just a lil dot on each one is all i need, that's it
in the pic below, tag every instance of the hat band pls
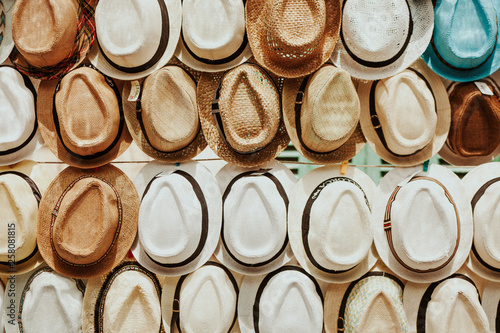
(176, 305)
(377, 126)
(101, 298)
(162, 46)
(379, 64)
(204, 219)
(283, 195)
(2, 22)
(306, 219)
(57, 126)
(388, 226)
(55, 211)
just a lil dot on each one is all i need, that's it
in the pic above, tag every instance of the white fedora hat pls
(491, 304)
(422, 222)
(179, 217)
(6, 41)
(380, 39)
(135, 38)
(254, 238)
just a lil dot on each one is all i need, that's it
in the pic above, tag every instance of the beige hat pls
(292, 39)
(240, 112)
(6, 42)
(491, 304)
(87, 221)
(321, 114)
(405, 118)
(81, 118)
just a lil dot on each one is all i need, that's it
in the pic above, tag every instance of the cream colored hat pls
(254, 237)
(179, 218)
(491, 304)
(329, 223)
(6, 42)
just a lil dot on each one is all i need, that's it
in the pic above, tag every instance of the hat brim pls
(7, 43)
(490, 302)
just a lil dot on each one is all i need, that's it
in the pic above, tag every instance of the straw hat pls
(214, 42)
(254, 238)
(19, 135)
(179, 218)
(464, 45)
(203, 301)
(321, 114)
(491, 304)
(240, 113)
(405, 118)
(163, 118)
(135, 40)
(6, 42)
(125, 300)
(329, 223)
(44, 301)
(379, 39)
(81, 118)
(474, 136)
(51, 37)
(89, 238)
(422, 223)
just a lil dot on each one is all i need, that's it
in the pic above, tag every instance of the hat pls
(51, 37)
(163, 118)
(127, 299)
(449, 305)
(179, 217)
(491, 304)
(44, 301)
(379, 39)
(292, 39)
(19, 135)
(254, 238)
(135, 40)
(81, 118)
(321, 114)
(329, 223)
(474, 136)
(203, 301)
(464, 43)
(405, 118)
(87, 221)
(214, 42)
(422, 223)
(6, 42)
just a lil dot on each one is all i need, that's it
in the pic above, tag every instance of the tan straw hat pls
(292, 39)
(87, 221)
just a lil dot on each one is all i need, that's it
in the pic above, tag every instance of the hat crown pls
(486, 230)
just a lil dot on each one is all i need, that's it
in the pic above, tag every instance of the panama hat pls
(179, 217)
(87, 221)
(44, 301)
(329, 223)
(405, 118)
(203, 301)
(135, 40)
(6, 42)
(214, 42)
(19, 135)
(491, 304)
(241, 116)
(422, 223)
(81, 118)
(321, 114)
(380, 39)
(474, 136)
(51, 37)
(464, 43)
(125, 300)
(163, 119)
(2, 292)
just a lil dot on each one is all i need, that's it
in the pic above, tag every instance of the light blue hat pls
(465, 44)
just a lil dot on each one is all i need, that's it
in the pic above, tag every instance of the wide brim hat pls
(491, 304)
(7, 44)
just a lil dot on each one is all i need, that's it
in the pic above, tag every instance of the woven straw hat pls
(163, 118)
(474, 136)
(89, 238)
(422, 223)
(292, 39)
(405, 118)
(321, 114)
(135, 39)
(379, 39)
(491, 304)
(6, 42)
(240, 113)
(81, 118)
(51, 37)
